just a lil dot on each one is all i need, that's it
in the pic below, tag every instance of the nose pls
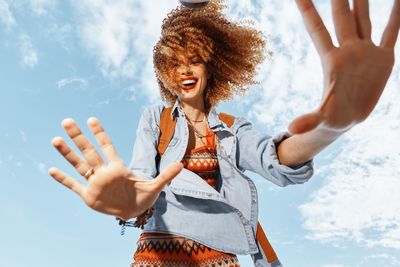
(184, 69)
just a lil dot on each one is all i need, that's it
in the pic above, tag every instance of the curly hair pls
(230, 50)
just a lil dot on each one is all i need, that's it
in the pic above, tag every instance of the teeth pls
(188, 82)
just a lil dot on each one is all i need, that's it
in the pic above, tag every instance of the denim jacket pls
(225, 218)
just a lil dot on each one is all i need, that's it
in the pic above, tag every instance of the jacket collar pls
(176, 110)
(213, 120)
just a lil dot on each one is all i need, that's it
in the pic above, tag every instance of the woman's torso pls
(161, 249)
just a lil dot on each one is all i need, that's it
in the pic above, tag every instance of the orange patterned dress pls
(168, 250)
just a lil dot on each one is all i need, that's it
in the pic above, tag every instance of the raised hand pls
(356, 72)
(111, 187)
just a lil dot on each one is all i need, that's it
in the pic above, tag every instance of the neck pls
(194, 111)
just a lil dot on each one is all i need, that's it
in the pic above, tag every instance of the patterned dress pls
(168, 250)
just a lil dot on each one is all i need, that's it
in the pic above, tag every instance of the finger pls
(168, 174)
(343, 19)
(363, 21)
(67, 181)
(305, 123)
(315, 27)
(391, 32)
(88, 150)
(82, 166)
(103, 140)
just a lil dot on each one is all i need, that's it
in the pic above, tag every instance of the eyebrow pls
(177, 58)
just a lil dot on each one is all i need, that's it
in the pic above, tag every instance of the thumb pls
(305, 123)
(168, 174)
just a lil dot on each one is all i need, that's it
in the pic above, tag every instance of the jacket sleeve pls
(143, 163)
(257, 152)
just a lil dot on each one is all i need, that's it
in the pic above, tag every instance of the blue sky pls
(75, 59)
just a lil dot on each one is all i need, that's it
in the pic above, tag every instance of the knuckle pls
(87, 148)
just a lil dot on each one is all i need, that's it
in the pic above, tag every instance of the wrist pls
(300, 148)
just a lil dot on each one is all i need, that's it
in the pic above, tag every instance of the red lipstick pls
(189, 83)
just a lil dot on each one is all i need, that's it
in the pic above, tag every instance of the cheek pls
(203, 71)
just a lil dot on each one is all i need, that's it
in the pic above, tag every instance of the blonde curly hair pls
(230, 50)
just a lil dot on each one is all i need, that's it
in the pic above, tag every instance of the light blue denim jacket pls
(224, 219)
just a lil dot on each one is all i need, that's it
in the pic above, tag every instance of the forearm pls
(301, 148)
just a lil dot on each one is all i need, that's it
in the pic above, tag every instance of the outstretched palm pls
(112, 188)
(356, 72)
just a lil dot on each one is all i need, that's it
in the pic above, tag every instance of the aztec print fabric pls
(167, 250)
(203, 160)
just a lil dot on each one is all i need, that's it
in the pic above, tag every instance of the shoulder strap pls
(265, 245)
(227, 118)
(167, 127)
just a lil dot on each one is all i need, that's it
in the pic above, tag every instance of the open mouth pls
(189, 83)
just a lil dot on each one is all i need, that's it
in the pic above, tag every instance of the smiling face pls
(190, 78)
(186, 77)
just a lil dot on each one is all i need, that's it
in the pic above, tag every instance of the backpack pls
(167, 127)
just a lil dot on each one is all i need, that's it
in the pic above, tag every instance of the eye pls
(195, 61)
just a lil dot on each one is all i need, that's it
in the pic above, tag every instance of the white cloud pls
(29, 55)
(121, 35)
(76, 83)
(133, 93)
(359, 201)
(380, 260)
(287, 86)
(107, 33)
(42, 7)
(6, 15)
(100, 104)
(62, 34)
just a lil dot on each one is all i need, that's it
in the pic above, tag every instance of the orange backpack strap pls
(167, 127)
(228, 119)
(265, 245)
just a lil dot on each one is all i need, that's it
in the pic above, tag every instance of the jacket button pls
(254, 200)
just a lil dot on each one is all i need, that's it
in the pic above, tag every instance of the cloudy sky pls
(87, 58)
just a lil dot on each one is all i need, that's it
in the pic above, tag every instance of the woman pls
(195, 203)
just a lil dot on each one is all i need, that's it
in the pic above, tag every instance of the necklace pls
(201, 136)
(204, 119)
(196, 133)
